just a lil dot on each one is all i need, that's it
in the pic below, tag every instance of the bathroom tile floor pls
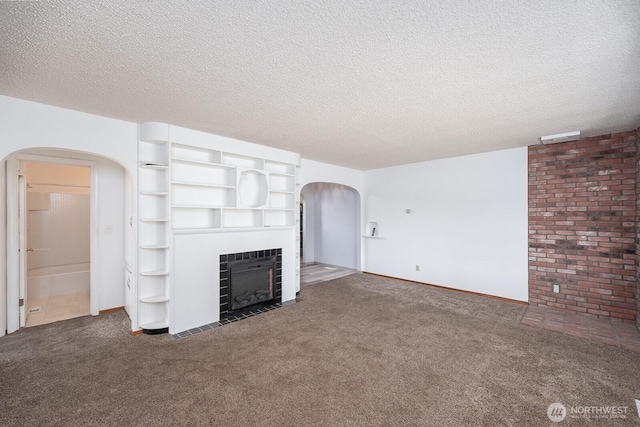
(57, 307)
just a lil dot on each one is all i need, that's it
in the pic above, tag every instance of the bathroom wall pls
(58, 216)
(58, 233)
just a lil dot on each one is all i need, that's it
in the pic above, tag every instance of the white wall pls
(111, 190)
(25, 125)
(331, 224)
(468, 223)
(130, 254)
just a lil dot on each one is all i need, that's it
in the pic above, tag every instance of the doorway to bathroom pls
(57, 270)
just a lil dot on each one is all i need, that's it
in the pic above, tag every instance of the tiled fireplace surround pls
(584, 226)
(225, 317)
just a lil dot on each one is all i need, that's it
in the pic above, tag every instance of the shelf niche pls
(372, 230)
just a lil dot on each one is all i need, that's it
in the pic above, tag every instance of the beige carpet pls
(360, 350)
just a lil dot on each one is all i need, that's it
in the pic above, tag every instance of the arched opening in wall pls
(67, 229)
(330, 231)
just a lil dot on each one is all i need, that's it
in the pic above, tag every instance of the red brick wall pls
(638, 227)
(582, 225)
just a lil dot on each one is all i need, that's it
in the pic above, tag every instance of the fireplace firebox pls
(249, 281)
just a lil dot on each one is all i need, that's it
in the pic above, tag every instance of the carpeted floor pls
(360, 350)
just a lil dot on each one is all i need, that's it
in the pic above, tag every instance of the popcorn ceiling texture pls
(363, 84)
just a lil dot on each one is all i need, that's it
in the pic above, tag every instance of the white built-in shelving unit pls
(154, 219)
(216, 190)
(190, 186)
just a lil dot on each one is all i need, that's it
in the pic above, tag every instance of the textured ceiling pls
(363, 83)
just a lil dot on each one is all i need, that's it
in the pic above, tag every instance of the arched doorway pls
(331, 225)
(107, 193)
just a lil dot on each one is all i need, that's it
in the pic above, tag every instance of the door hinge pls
(21, 302)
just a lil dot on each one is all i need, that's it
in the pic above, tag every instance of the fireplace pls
(250, 281)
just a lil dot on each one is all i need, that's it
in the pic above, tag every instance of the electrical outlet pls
(417, 267)
(556, 289)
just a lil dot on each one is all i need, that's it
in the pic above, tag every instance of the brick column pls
(582, 226)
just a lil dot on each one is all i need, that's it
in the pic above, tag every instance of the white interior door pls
(13, 245)
(22, 249)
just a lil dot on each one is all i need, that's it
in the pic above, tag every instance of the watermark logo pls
(556, 412)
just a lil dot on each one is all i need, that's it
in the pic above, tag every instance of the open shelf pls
(189, 153)
(158, 324)
(279, 167)
(155, 299)
(195, 217)
(281, 183)
(203, 196)
(155, 273)
(241, 218)
(247, 162)
(278, 218)
(154, 217)
(201, 184)
(372, 230)
(199, 162)
(154, 193)
(154, 166)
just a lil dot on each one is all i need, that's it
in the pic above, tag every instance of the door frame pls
(13, 231)
(310, 209)
(3, 249)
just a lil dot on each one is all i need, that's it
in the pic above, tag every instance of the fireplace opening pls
(249, 281)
